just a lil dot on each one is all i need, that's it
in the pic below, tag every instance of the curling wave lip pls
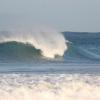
(51, 43)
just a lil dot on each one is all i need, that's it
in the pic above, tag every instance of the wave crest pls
(51, 43)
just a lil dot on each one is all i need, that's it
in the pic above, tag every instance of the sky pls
(63, 15)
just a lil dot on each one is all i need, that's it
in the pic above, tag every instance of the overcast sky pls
(63, 15)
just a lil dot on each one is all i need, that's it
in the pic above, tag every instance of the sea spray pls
(50, 42)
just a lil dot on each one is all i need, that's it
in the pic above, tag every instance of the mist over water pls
(49, 42)
(40, 63)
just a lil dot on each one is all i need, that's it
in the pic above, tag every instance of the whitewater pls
(49, 87)
(49, 65)
(51, 43)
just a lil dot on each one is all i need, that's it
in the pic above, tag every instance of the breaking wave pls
(48, 43)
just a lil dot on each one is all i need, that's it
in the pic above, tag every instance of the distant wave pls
(50, 43)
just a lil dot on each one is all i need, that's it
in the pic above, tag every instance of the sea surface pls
(48, 65)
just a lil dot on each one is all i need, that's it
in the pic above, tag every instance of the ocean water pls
(48, 65)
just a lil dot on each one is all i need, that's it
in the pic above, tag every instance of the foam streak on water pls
(49, 87)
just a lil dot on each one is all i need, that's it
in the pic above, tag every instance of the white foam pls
(50, 42)
(49, 87)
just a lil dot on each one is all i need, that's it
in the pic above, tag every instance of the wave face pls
(69, 46)
(18, 50)
(50, 43)
(49, 87)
